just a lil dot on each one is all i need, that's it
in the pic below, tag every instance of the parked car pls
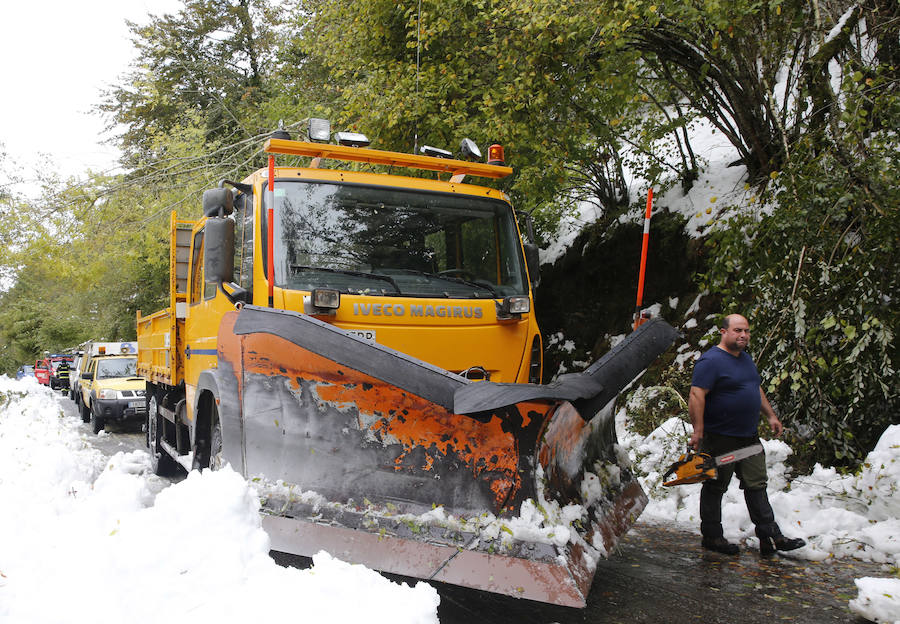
(42, 371)
(74, 373)
(112, 391)
(81, 364)
(25, 370)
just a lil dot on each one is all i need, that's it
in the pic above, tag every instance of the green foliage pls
(587, 96)
(818, 279)
(519, 73)
(208, 62)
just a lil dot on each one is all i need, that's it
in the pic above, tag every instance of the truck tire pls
(96, 422)
(161, 462)
(208, 448)
(85, 412)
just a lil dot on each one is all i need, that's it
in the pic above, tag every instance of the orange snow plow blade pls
(385, 460)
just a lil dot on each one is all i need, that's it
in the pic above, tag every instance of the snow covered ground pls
(855, 515)
(83, 539)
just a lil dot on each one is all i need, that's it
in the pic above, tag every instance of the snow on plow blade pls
(385, 460)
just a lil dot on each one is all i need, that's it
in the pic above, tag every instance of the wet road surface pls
(658, 574)
(662, 575)
(118, 437)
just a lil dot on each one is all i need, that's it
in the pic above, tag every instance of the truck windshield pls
(388, 241)
(120, 367)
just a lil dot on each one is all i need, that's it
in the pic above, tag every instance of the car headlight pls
(107, 394)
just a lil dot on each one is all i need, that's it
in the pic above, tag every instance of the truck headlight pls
(326, 298)
(107, 394)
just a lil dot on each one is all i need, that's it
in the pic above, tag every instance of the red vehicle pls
(42, 371)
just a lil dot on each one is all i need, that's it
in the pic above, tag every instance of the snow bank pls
(838, 515)
(878, 600)
(83, 540)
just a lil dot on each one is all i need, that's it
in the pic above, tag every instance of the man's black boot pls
(711, 522)
(720, 545)
(767, 530)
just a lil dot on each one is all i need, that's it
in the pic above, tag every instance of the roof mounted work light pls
(318, 130)
(436, 152)
(469, 150)
(352, 139)
(281, 133)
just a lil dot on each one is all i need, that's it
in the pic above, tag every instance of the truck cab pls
(112, 392)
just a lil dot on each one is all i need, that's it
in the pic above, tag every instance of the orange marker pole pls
(270, 259)
(640, 291)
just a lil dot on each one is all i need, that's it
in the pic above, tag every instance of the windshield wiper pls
(458, 280)
(375, 276)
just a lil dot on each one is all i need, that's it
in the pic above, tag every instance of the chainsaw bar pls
(738, 455)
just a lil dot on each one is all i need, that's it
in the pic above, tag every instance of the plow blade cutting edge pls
(385, 460)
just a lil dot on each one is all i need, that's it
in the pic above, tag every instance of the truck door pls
(206, 306)
(87, 385)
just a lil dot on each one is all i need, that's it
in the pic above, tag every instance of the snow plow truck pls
(361, 345)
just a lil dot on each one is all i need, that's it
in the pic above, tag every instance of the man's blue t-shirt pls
(733, 402)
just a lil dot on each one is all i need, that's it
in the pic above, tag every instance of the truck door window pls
(198, 275)
(197, 267)
(243, 241)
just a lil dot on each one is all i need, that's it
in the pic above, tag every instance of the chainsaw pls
(698, 467)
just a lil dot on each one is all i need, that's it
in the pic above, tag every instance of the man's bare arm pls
(696, 406)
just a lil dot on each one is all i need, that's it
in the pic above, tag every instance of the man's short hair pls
(725, 322)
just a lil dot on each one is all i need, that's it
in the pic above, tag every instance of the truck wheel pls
(85, 412)
(96, 422)
(208, 448)
(161, 462)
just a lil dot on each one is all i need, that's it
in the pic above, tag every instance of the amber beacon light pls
(495, 155)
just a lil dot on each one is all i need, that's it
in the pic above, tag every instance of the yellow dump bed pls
(159, 335)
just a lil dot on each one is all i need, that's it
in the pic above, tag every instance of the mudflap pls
(364, 452)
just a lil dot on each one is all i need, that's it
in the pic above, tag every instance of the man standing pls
(724, 405)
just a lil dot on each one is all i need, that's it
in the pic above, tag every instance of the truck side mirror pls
(533, 260)
(87, 376)
(218, 202)
(218, 255)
